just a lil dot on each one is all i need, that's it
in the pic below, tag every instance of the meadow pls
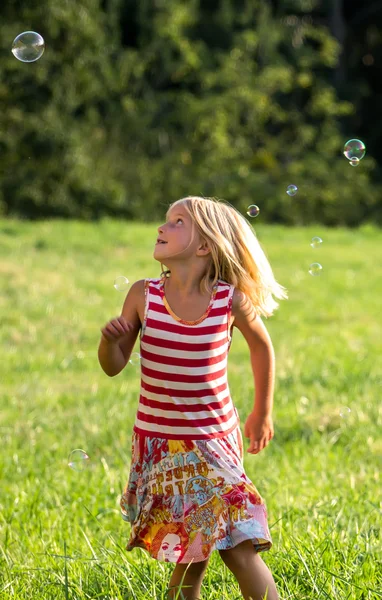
(61, 534)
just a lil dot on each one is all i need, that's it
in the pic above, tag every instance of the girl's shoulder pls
(136, 293)
(139, 290)
(142, 284)
(240, 301)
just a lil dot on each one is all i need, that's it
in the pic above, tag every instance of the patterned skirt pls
(185, 499)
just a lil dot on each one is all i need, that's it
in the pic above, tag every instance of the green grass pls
(61, 535)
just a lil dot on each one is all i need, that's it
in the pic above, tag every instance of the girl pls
(188, 493)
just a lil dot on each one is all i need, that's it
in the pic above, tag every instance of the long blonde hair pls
(237, 256)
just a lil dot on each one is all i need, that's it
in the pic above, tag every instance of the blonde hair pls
(237, 256)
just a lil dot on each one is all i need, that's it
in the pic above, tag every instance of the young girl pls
(188, 493)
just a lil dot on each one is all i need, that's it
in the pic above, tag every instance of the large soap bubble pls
(78, 460)
(28, 46)
(354, 149)
(121, 283)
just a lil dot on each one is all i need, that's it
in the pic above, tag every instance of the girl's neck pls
(184, 286)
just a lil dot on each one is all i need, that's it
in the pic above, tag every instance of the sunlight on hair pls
(236, 254)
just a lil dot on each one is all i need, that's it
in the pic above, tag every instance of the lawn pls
(61, 534)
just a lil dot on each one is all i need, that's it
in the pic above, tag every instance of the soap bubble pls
(28, 46)
(354, 149)
(253, 210)
(316, 242)
(315, 269)
(354, 162)
(292, 190)
(121, 284)
(344, 411)
(135, 359)
(78, 460)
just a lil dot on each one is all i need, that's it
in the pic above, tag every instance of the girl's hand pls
(116, 329)
(259, 430)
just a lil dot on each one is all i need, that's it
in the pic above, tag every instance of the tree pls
(135, 104)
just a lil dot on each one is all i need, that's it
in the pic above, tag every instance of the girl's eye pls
(179, 220)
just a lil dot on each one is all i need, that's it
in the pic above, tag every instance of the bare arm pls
(261, 352)
(120, 334)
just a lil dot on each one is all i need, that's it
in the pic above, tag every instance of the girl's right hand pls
(115, 329)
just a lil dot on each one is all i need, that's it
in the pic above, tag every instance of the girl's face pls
(176, 236)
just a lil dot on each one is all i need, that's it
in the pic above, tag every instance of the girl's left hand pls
(259, 430)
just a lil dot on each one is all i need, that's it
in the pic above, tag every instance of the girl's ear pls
(204, 249)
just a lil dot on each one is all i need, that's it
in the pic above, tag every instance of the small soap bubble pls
(354, 149)
(121, 284)
(135, 359)
(78, 460)
(315, 269)
(253, 210)
(354, 162)
(316, 242)
(28, 46)
(344, 411)
(292, 190)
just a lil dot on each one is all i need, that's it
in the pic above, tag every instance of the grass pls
(61, 535)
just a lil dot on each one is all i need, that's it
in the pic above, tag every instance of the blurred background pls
(136, 103)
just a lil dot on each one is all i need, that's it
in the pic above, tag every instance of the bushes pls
(107, 124)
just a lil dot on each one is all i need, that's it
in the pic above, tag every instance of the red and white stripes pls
(184, 389)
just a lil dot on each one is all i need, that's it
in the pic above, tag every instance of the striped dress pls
(187, 492)
(184, 389)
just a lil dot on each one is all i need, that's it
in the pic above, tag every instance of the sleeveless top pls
(184, 392)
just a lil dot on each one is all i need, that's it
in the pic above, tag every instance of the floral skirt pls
(185, 499)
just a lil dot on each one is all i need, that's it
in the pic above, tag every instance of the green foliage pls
(136, 104)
